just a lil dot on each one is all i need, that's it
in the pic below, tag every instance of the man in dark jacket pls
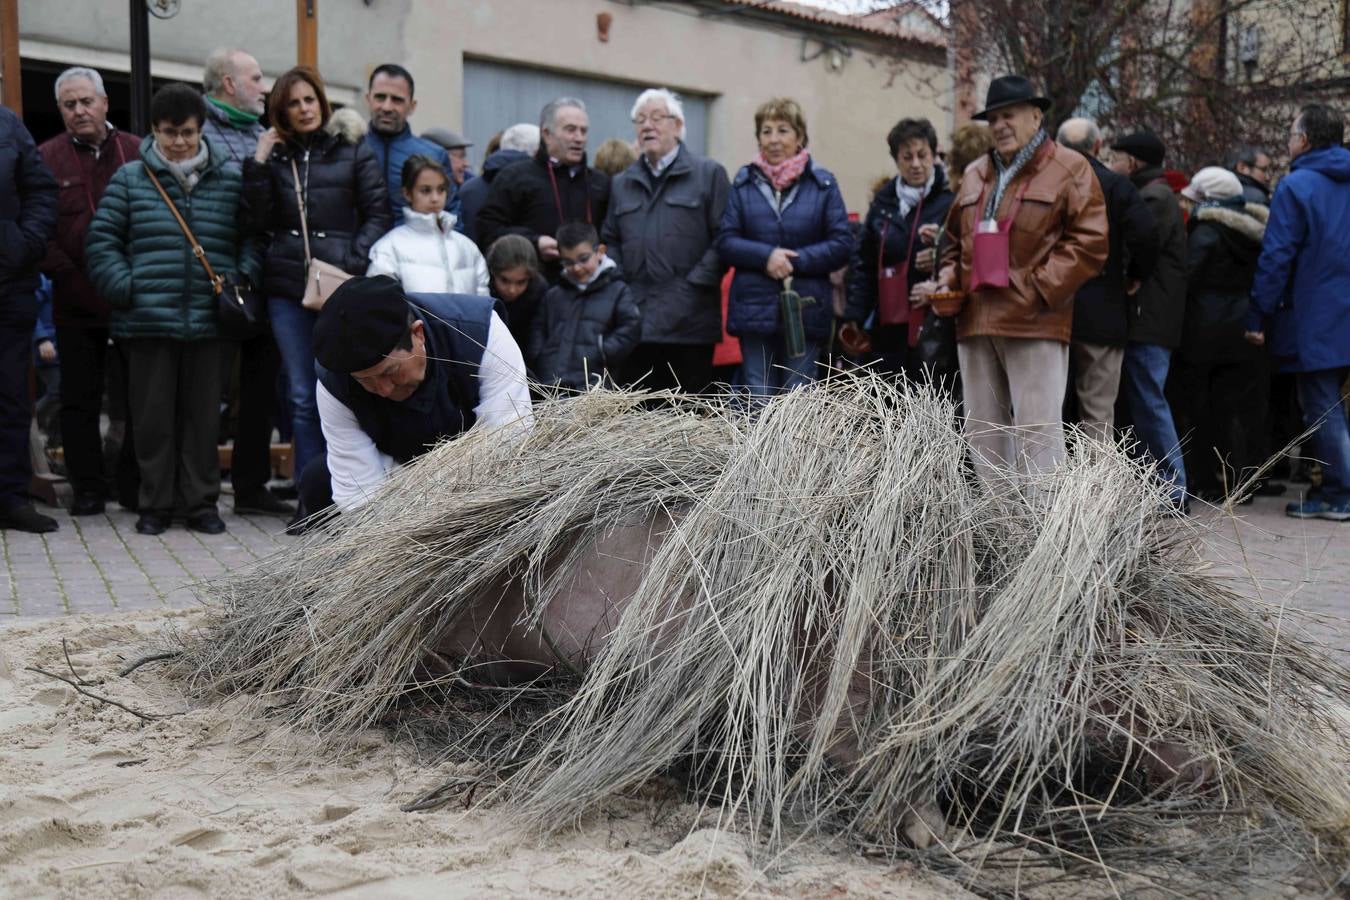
(1158, 310)
(1252, 167)
(397, 375)
(232, 84)
(533, 197)
(83, 158)
(1100, 321)
(1301, 295)
(664, 212)
(28, 204)
(389, 97)
(519, 142)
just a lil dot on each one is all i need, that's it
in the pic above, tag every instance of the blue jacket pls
(813, 221)
(393, 151)
(28, 207)
(1302, 286)
(45, 330)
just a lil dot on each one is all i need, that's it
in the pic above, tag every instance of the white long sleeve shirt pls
(358, 468)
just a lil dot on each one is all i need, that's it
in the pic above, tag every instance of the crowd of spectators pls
(1038, 279)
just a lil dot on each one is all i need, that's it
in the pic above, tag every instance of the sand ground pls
(95, 802)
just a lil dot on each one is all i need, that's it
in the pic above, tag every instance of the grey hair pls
(1085, 143)
(217, 67)
(1245, 154)
(522, 136)
(549, 113)
(674, 105)
(80, 72)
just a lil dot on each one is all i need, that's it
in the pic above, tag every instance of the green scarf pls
(238, 118)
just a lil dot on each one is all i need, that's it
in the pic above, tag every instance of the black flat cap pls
(361, 323)
(1144, 146)
(1007, 90)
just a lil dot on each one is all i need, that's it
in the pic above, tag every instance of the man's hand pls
(928, 234)
(548, 247)
(779, 265)
(1255, 338)
(1132, 287)
(46, 351)
(266, 141)
(925, 258)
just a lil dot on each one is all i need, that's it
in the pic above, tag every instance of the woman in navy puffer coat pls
(785, 217)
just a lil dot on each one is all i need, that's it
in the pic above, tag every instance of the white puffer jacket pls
(427, 255)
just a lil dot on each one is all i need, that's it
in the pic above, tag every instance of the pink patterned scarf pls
(784, 173)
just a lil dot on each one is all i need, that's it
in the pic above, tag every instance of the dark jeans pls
(293, 328)
(1323, 404)
(251, 461)
(767, 369)
(18, 315)
(175, 413)
(1143, 378)
(660, 367)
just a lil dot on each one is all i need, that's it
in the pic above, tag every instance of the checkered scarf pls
(1006, 173)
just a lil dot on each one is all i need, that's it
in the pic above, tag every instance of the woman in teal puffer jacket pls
(164, 306)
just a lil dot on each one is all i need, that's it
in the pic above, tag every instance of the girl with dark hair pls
(425, 253)
(513, 267)
(315, 190)
(165, 305)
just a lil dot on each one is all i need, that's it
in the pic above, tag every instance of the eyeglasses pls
(174, 135)
(654, 118)
(575, 263)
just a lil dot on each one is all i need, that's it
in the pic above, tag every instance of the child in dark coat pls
(587, 324)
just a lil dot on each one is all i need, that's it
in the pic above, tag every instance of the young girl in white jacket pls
(425, 253)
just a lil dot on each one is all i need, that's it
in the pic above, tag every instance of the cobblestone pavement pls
(100, 564)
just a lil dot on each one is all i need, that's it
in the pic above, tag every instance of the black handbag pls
(239, 309)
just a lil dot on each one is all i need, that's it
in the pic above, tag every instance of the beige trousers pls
(1096, 382)
(1014, 395)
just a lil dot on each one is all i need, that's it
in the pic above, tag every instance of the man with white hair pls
(533, 197)
(83, 158)
(664, 213)
(234, 89)
(517, 143)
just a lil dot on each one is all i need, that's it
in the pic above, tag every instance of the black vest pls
(456, 329)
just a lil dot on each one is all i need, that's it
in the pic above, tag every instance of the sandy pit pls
(95, 802)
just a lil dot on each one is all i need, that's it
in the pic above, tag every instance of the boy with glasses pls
(587, 324)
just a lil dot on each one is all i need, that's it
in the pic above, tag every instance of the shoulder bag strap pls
(300, 204)
(197, 250)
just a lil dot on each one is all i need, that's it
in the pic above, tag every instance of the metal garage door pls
(497, 95)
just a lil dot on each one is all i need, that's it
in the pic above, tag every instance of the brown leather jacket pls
(1058, 241)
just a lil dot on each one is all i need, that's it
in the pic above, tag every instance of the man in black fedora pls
(1029, 230)
(1157, 314)
(398, 374)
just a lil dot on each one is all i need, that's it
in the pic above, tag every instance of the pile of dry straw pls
(1016, 660)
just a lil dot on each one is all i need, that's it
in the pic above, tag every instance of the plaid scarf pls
(1006, 173)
